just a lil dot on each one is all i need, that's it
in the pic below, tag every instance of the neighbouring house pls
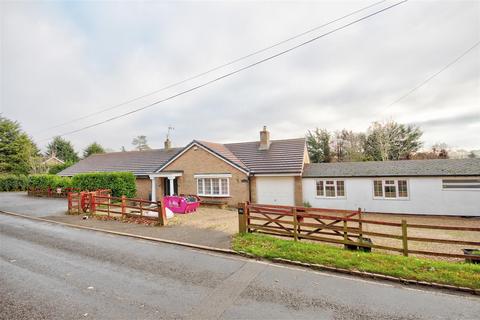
(263, 171)
(52, 160)
(441, 186)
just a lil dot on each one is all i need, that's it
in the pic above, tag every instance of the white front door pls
(276, 190)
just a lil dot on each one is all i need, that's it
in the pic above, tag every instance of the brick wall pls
(253, 189)
(298, 191)
(200, 161)
(144, 187)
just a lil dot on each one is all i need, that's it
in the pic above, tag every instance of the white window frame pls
(397, 197)
(475, 181)
(220, 179)
(334, 185)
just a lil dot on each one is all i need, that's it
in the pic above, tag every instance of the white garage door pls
(276, 190)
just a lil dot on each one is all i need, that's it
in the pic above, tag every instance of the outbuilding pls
(434, 187)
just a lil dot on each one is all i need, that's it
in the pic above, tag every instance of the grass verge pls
(421, 269)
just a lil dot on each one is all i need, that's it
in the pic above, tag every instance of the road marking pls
(225, 294)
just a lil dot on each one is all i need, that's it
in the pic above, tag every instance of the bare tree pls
(140, 143)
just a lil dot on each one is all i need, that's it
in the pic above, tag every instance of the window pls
(390, 189)
(377, 188)
(340, 188)
(461, 184)
(199, 186)
(320, 192)
(330, 188)
(213, 187)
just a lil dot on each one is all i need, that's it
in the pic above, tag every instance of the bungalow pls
(278, 172)
(443, 186)
(264, 171)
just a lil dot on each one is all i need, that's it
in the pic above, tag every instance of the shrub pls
(45, 181)
(121, 183)
(11, 182)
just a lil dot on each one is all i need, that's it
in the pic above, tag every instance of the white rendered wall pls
(426, 196)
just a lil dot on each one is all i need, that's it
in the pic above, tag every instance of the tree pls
(391, 141)
(348, 146)
(93, 148)
(62, 149)
(56, 168)
(140, 143)
(17, 149)
(318, 145)
(438, 151)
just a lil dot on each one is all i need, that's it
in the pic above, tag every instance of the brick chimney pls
(167, 144)
(264, 139)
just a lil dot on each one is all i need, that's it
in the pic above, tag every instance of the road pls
(32, 206)
(48, 271)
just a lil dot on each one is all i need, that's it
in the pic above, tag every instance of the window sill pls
(331, 198)
(214, 196)
(400, 199)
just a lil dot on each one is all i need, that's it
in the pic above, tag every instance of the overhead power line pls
(424, 82)
(196, 76)
(233, 72)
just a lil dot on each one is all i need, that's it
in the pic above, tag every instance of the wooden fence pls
(342, 227)
(51, 192)
(101, 201)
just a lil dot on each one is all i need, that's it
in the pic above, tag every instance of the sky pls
(65, 60)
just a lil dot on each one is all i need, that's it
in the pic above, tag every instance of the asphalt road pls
(32, 206)
(49, 271)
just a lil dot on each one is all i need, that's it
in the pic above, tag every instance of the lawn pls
(421, 269)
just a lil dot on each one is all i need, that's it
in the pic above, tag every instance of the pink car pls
(181, 204)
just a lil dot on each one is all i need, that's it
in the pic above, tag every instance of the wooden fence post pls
(162, 216)
(360, 228)
(93, 207)
(69, 197)
(80, 199)
(345, 229)
(123, 205)
(295, 224)
(247, 216)
(242, 221)
(404, 238)
(109, 200)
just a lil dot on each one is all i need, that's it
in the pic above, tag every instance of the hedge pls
(121, 183)
(44, 181)
(11, 182)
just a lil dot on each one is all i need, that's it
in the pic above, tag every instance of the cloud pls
(64, 60)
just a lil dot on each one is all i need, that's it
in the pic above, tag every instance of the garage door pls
(276, 190)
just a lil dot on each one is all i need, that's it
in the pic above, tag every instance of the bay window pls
(213, 186)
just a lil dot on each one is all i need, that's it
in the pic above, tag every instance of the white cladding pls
(276, 190)
(425, 196)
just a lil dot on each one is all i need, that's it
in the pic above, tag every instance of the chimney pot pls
(167, 144)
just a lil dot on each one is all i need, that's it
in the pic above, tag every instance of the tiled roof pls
(283, 156)
(404, 168)
(137, 162)
(222, 151)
